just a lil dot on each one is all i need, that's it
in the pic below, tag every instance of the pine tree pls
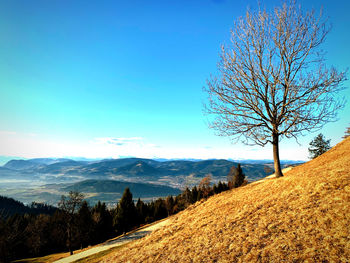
(187, 196)
(142, 211)
(85, 224)
(160, 210)
(103, 222)
(347, 133)
(215, 189)
(220, 187)
(169, 201)
(126, 214)
(318, 146)
(194, 194)
(238, 178)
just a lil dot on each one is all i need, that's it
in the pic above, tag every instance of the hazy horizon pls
(5, 159)
(114, 78)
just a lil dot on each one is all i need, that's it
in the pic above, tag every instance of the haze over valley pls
(46, 179)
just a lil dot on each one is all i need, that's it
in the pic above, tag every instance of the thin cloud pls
(7, 133)
(118, 141)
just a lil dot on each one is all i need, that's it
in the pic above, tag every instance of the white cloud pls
(118, 141)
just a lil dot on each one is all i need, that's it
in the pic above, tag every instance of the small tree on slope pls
(238, 178)
(347, 133)
(318, 146)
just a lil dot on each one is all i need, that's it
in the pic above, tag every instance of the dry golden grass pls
(301, 217)
(50, 258)
(45, 259)
(98, 257)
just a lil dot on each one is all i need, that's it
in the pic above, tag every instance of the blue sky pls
(103, 79)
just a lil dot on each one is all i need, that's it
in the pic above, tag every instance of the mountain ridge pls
(31, 180)
(128, 167)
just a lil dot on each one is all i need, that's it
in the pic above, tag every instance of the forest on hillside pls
(27, 232)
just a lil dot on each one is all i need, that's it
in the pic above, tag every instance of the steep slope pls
(302, 217)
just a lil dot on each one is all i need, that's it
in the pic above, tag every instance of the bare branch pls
(272, 79)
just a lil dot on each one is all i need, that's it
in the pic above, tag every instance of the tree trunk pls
(276, 155)
(69, 239)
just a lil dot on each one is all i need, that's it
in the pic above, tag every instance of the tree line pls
(75, 224)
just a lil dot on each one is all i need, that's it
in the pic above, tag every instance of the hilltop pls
(303, 216)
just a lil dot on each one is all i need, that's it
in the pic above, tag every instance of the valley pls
(47, 179)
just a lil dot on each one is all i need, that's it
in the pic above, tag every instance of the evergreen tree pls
(215, 189)
(16, 236)
(187, 196)
(169, 202)
(4, 251)
(85, 225)
(142, 211)
(58, 235)
(195, 194)
(160, 210)
(38, 241)
(220, 187)
(238, 178)
(180, 203)
(347, 133)
(103, 222)
(126, 214)
(318, 146)
(200, 194)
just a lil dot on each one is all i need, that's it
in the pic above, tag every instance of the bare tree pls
(204, 185)
(70, 206)
(272, 79)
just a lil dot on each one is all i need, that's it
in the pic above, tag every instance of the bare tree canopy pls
(272, 79)
(70, 206)
(72, 203)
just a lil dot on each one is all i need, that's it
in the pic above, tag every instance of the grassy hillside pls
(302, 217)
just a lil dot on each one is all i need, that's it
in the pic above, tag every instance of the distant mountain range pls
(130, 168)
(21, 179)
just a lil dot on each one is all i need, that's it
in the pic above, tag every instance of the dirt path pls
(115, 242)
